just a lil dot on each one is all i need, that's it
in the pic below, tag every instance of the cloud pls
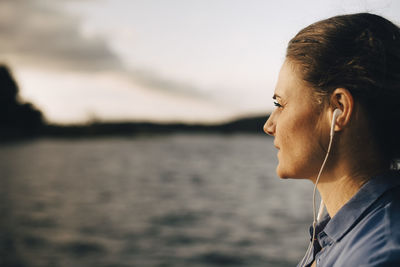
(148, 79)
(41, 34)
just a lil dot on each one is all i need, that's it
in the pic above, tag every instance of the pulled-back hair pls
(359, 52)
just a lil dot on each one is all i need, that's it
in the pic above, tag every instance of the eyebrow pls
(276, 96)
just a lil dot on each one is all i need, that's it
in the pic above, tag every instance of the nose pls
(269, 126)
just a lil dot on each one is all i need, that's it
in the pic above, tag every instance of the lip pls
(277, 147)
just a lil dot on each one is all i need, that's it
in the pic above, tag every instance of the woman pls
(348, 63)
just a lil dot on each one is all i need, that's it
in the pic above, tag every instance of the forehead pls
(290, 85)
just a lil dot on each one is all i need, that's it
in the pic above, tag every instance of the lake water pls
(176, 200)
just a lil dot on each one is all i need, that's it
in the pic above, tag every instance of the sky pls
(156, 60)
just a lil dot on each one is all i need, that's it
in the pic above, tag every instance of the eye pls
(276, 104)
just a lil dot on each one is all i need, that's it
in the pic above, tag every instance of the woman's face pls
(295, 124)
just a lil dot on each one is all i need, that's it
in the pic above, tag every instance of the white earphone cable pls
(321, 208)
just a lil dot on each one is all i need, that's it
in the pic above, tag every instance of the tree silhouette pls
(16, 119)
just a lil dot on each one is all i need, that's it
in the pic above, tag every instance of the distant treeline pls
(247, 125)
(23, 120)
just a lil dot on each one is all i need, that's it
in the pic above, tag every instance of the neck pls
(338, 192)
(339, 186)
(351, 163)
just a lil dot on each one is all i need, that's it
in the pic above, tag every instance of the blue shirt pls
(365, 231)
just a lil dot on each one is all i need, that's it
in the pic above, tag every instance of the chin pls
(281, 173)
(286, 174)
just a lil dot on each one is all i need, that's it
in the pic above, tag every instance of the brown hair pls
(359, 52)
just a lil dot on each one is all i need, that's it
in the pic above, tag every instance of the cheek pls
(294, 133)
(299, 150)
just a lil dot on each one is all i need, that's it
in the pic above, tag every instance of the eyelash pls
(276, 104)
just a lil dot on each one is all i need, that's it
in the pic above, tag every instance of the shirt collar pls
(347, 216)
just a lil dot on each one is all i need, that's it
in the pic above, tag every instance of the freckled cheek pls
(295, 143)
(293, 133)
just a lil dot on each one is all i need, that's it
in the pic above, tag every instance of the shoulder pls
(375, 239)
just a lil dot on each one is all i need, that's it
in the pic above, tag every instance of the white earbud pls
(336, 113)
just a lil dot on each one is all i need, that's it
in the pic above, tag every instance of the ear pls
(342, 99)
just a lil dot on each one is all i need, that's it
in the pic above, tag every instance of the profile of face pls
(297, 125)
